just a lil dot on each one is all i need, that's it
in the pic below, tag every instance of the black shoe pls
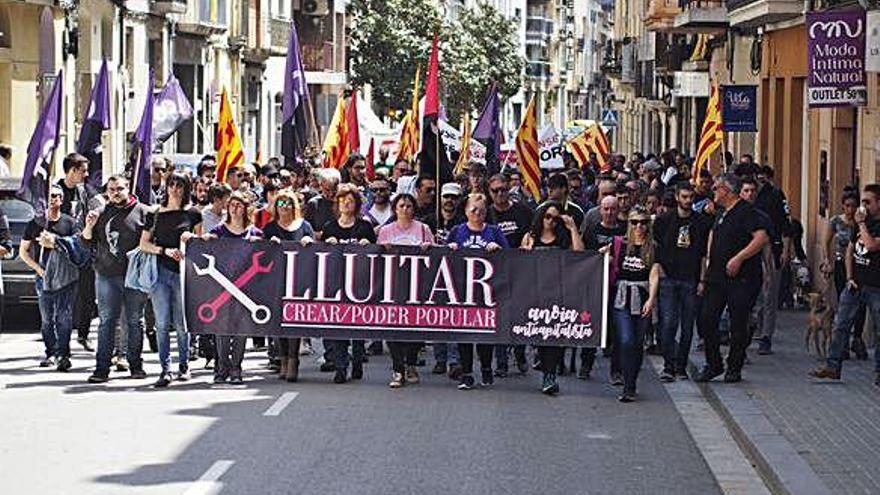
(96, 378)
(627, 397)
(707, 374)
(583, 373)
(340, 377)
(466, 382)
(357, 371)
(733, 376)
(137, 374)
(47, 363)
(681, 374)
(549, 386)
(236, 380)
(328, 367)
(183, 376)
(501, 372)
(439, 368)
(163, 381)
(486, 378)
(667, 376)
(64, 365)
(208, 365)
(218, 379)
(85, 344)
(617, 379)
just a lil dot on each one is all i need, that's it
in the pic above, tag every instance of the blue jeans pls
(446, 353)
(112, 298)
(168, 306)
(678, 299)
(56, 312)
(630, 337)
(847, 308)
(501, 358)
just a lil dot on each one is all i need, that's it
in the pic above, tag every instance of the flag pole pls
(317, 135)
(437, 184)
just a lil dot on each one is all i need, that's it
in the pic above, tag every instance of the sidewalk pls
(787, 418)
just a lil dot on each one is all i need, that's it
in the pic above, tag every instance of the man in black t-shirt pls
(862, 286)
(56, 306)
(681, 237)
(319, 209)
(732, 278)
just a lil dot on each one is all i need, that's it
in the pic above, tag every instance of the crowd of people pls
(709, 252)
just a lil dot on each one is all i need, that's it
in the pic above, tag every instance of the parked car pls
(18, 303)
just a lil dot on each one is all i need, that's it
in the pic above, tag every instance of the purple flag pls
(142, 148)
(296, 96)
(38, 168)
(170, 111)
(488, 130)
(95, 121)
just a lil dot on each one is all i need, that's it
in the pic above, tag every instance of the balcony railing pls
(162, 7)
(755, 13)
(701, 16)
(538, 29)
(669, 53)
(538, 69)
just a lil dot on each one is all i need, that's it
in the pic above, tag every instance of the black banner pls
(552, 297)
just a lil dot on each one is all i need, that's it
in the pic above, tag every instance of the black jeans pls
(738, 296)
(484, 351)
(404, 354)
(551, 356)
(84, 308)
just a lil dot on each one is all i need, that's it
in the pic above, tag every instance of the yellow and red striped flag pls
(337, 146)
(230, 152)
(592, 140)
(465, 155)
(528, 150)
(409, 134)
(711, 136)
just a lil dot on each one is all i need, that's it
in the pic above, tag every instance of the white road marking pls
(282, 402)
(599, 436)
(207, 483)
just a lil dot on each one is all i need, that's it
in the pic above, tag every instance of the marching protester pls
(213, 214)
(551, 229)
(288, 224)
(379, 209)
(238, 225)
(348, 228)
(476, 234)
(405, 231)
(112, 233)
(319, 210)
(731, 279)
(166, 229)
(862, 284)
(55, 286)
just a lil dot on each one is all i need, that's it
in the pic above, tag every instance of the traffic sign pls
(610, 118)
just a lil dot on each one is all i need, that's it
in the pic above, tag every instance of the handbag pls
(142, 272)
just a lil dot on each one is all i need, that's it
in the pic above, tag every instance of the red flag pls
(351, 117)
(371, 167)
(432, 87)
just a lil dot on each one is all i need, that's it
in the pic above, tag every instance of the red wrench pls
(208, 311)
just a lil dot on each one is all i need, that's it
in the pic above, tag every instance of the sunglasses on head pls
(638, 222)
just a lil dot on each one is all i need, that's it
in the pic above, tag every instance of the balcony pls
(756, 13)
(701, 17)
(162, 7)
(538, 69)
(539, 30)
(661, 14)
(670, 52)
(205, 17)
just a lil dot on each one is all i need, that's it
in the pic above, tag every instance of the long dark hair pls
(562, 234)
(182, 179)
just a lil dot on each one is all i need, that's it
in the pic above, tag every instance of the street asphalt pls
(61, 435)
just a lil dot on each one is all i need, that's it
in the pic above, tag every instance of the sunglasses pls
(549, 216)
(377, 190)
(158, 170)
(281, 203)
(55, 195)
(637, 223)
(476, 210)
(497, 190)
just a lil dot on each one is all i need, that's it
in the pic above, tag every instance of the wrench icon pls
(208, 311)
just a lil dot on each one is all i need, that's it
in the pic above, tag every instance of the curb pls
(779, 465)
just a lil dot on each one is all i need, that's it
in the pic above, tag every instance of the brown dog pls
(821, 320)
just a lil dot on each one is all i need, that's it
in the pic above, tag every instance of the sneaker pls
(328, 367)
(733, 376)
(340, 377)
(138, 374)
(122, 364)
(236, 380)
(357, 371)
(47, 363)
(583, 373)
(707, 374)
(501, 372)
(96, 378)
(826, 373)
(522, 366)
(549, 385)
(183, 376)
(617, 379)
(412, 375)
(85, 344)
(486, 378)
(397, 380)
(667, 376)
(455, 372)
(439, 368)
(627, 397)
(163, 381)
(466, 382)
(218, 379)
(64, 365)
(681, 373)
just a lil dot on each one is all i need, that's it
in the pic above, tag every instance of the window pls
(5, 33)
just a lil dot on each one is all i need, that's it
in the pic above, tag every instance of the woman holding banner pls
(167, 229)
(348, 228)
(405, 231)
(552, 230)
(638, 276)
(238, 225)
(288, 225)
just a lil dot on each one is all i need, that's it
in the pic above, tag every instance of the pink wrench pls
(208, 311)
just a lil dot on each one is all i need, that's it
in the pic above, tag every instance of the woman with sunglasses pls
(404, 231)
(476, 234)
(638, 276)
(348, 228)
(238, 225)
(167, 229)
(288, 225)
(551, 230)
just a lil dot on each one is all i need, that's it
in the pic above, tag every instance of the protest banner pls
(392, 293)
(551, 148)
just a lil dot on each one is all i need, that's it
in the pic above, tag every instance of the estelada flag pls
(592, 140)
(711, 134)
(528, 150)
(337, 145)
(230, 152)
